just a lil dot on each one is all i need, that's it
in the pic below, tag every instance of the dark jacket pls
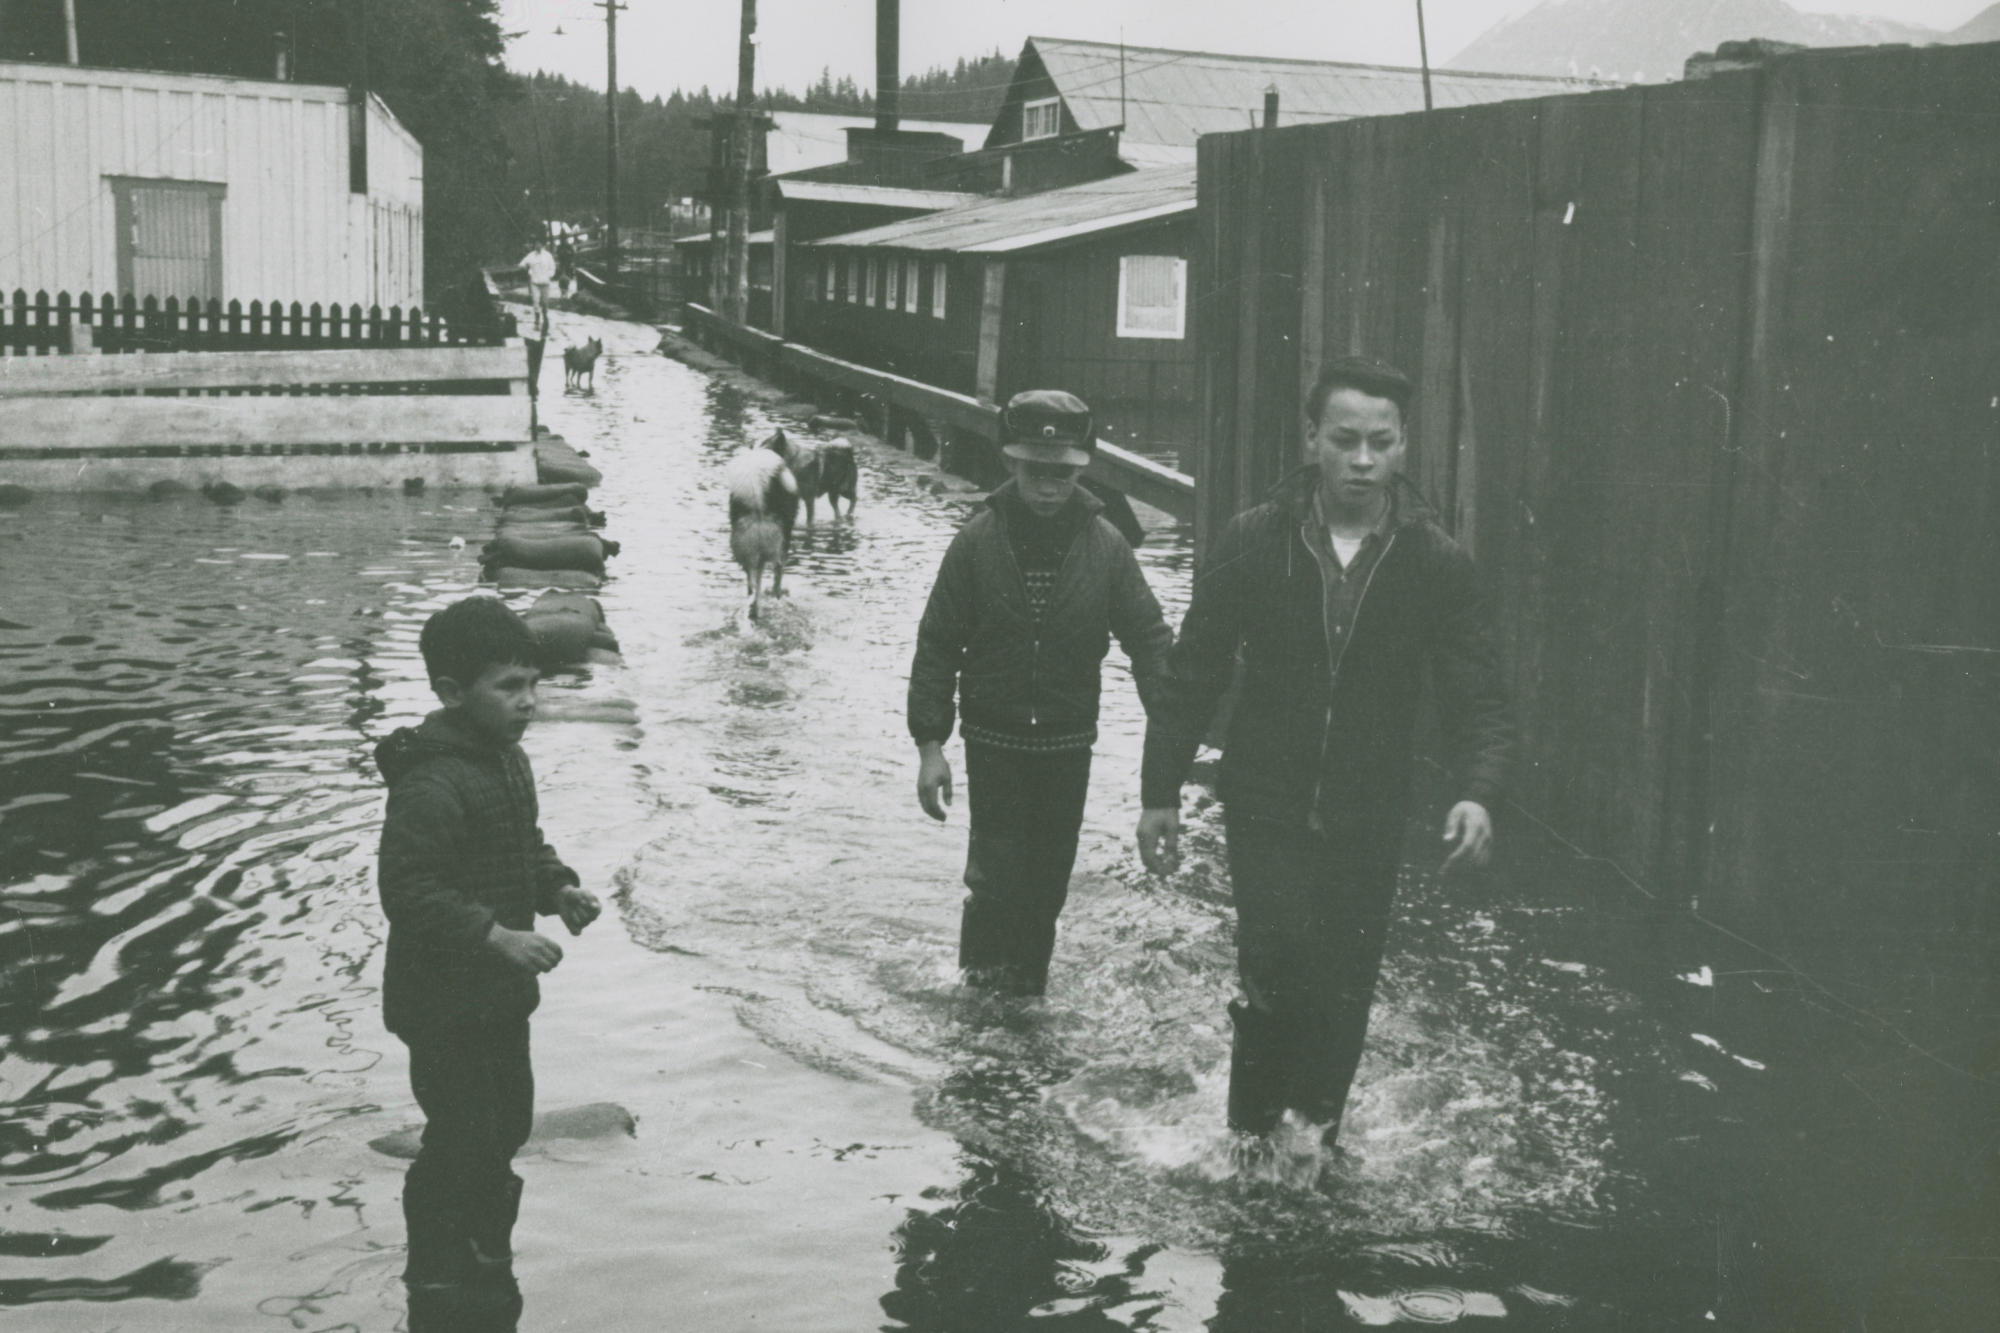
(1318, 741)
(979, 643)
(461, 851)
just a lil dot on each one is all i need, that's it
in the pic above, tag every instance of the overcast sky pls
(664, 44)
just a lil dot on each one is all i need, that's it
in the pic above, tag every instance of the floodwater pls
(1574, 1113)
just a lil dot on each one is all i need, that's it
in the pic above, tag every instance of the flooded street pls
(1562, 1121)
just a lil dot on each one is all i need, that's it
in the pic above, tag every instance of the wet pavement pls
(1579, 1110)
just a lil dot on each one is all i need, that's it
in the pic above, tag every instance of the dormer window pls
(1042, 119)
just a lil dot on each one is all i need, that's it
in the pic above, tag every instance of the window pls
(830, 265)
(910, 274)
(874, 279)
(853, 278)
(1152, 296)
(1041, 120)
(892, 285)
(937, 290)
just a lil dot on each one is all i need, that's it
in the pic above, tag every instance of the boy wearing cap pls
(1027, 599)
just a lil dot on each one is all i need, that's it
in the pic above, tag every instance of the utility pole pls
(610, 8)
(1424, 53)
(736, 256)
(69, 25)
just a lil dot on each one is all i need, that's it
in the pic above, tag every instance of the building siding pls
(291, 229)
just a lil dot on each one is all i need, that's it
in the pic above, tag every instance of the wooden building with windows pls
(1083, 288)
(203, 187)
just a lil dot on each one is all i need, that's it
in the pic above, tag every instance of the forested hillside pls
(555, 129)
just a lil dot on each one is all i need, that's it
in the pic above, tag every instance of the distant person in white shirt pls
(541, 267)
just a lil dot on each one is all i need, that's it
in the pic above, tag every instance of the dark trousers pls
(477, 1090)
(1312, 915)
(1026, 812)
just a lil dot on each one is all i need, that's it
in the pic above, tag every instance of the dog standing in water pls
(820, 469)
(839, 479)
(580, 363)
(763, 506)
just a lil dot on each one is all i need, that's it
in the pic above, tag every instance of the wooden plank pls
(123, 423)
(26, 377)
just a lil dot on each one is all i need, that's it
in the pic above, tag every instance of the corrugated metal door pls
(170, 238)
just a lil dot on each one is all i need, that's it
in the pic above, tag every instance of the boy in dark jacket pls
(464, 870)
(1022, 613)
(1335, 601)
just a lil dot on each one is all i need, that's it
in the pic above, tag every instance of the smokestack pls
(888, 63)
(1271, 107)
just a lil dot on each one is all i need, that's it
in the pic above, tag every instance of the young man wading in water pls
(1029, 595)
(1338, 596)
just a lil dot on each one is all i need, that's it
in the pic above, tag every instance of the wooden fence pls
(1709, 378)
(41, 325)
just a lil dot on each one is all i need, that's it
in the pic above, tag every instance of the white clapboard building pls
(197, 186)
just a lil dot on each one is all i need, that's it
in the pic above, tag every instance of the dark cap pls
(1047, 426)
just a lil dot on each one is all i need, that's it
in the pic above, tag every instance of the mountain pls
(1981, 27)
(1650, 40)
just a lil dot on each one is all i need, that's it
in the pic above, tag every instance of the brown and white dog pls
(580, 364)
(763, 506)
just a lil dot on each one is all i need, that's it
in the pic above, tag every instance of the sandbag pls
(569, 601)
(564, 637)
(562, 493)
(563, 464)
(581, 515)
(579, 550)
(542, 531)
(832, 425)
(569, 625)
(509, 577)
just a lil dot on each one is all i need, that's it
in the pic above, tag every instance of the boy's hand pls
(524, 950)
(933, 781)
(1160, 840)
(577, 906)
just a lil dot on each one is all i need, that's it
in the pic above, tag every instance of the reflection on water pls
(819, 1129)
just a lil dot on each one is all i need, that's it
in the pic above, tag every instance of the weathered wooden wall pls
(1710, 381)
(1062, 332)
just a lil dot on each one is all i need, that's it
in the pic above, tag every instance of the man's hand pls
(577, 906)
(1471, 828)
(933, 780)
(524, 950)
(1160, 840)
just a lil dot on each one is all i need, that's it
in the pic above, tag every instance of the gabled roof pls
(1174, 97)
(882, 196)
(1002, 226)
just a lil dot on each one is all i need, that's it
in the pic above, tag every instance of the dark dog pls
(580, 364)
(839, 478)
(763, 506)
(820, 469)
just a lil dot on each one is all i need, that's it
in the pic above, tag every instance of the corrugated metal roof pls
(1000, 226)
(885, 196)
(801, 139)
(1174, 97)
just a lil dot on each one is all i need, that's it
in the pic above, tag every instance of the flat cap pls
(1047, 426)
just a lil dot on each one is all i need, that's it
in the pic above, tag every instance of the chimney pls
(1271, 107)
(888, 63)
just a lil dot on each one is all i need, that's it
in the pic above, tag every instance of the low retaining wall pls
(457, 416)
(959, 431)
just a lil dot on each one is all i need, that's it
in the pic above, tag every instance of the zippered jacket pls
(1320, 736)
(462, 851)
(980, 649)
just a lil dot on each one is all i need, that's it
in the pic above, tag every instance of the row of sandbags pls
(546, 538)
